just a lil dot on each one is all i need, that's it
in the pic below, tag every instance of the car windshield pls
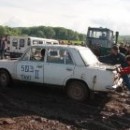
(88, 57)
(98, 34)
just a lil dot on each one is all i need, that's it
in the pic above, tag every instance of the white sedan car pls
(74, 68)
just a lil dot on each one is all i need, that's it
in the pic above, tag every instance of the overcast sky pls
(72, 14)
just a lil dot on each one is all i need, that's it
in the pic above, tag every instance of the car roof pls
(61, 46)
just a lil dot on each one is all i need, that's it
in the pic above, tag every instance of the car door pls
(30, 68)
(59, 66)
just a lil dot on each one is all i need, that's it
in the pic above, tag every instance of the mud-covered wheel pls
(4, 79)
(77, 90)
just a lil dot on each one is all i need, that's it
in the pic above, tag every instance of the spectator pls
(128, 50)
(115, 57)
(2, 47)
(122, 49)
(125, 71)
(43, 54)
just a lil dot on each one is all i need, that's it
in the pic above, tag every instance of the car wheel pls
(4, 79)
(77, 91)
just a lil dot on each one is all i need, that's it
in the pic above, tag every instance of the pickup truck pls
(76, 69)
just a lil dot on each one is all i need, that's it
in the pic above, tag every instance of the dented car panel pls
(96, 79)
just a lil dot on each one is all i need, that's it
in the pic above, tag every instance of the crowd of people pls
(119, 55)
(3, 46)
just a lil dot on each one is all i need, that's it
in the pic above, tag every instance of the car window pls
(55, 43)
(35, 42)
(40, 42)
(68, 58)
(29, 41)
(35, 54)
(26, 56)
(15, 42)
(49, 43)
(59, 56)
(21, 42)
(88, 57)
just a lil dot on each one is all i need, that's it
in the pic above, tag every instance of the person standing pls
(122, 49)
(2, 47)
(128, 51)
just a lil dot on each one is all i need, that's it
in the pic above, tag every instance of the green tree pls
(42, 31)
(49, 32)
(40, 34)
(71, 35)
(2, 30)
(61, 33)
(82, 37)
(25, 31)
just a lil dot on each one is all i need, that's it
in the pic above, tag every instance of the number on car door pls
(31, 67)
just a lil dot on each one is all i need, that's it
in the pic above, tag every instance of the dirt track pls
(41, 108)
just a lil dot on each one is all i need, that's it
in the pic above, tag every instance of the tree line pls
(59, 33)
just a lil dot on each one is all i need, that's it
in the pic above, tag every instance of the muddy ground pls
(45, 108)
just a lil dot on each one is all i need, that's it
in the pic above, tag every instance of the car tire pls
(4, 80)
(77, 90)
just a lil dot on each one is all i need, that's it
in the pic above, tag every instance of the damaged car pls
(74, 68)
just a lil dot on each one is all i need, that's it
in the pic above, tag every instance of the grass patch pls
(72, 42)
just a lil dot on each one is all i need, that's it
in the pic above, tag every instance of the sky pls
(73, 14)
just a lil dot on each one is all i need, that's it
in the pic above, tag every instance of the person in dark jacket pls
(128, 51)
(0, 47)
(115, 57)
(122, 49)
(3, 46)
(43, 51)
